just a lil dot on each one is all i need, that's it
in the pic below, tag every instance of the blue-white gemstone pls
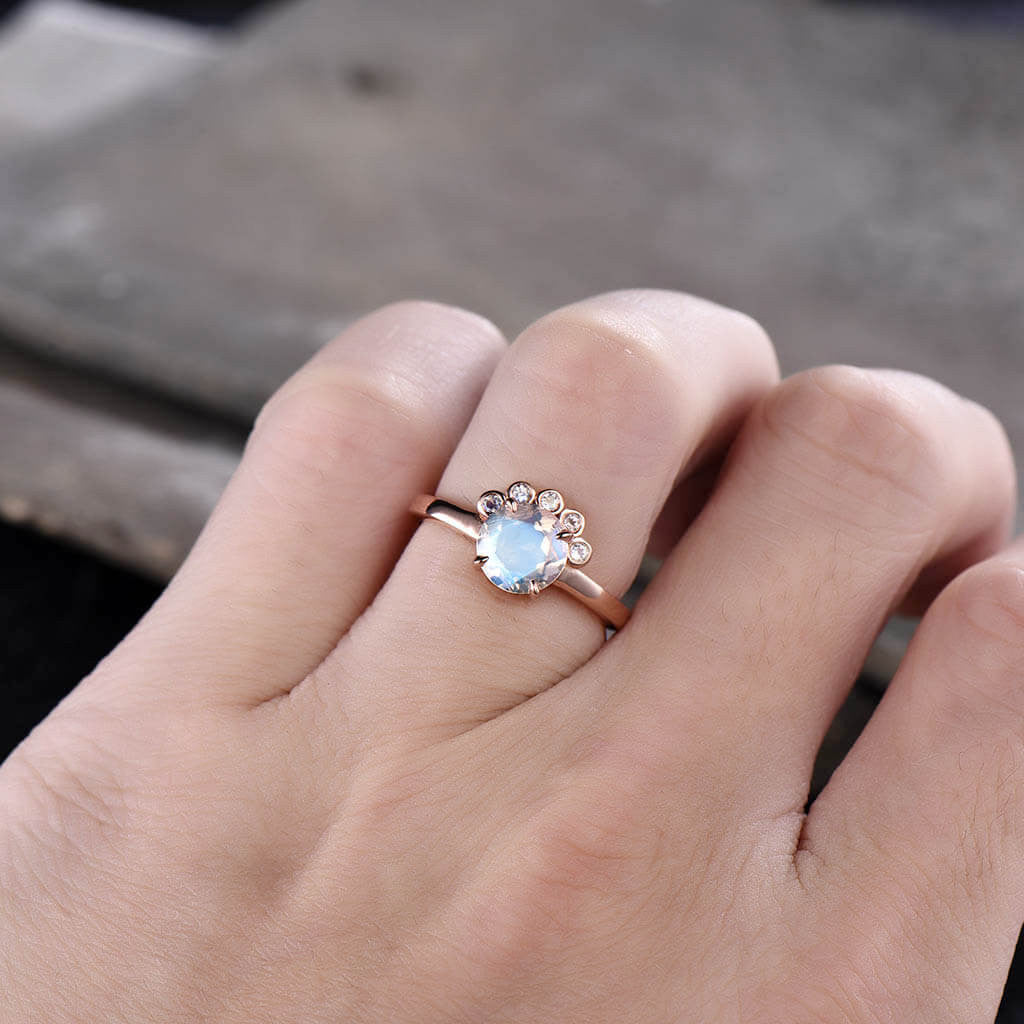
(522, 548)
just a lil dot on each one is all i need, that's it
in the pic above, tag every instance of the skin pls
(334, 775)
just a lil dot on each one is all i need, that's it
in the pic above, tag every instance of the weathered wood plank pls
(849, 176)
(121, 475)
(64, 64)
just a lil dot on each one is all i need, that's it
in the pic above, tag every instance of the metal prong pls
(564, 534)
(480, 559)
(534, 588)
(513, 505)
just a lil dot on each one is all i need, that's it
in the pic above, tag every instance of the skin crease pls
(333, 775)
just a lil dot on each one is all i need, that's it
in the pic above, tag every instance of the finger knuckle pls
(605, 382)
(385, 387)
(693, 320)
(433, 329)
(331, 398)
(982, 615)
(329, 418)
(862, 429)
(590, 847)
(990, 597)
(570, 870)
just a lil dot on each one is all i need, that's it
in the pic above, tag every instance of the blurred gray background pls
(187, 212)
(194, 197)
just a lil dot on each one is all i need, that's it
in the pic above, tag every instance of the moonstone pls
(521, 548)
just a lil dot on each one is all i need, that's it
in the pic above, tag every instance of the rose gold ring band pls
(571, 579)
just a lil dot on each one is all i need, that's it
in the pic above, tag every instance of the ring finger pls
(610, 401)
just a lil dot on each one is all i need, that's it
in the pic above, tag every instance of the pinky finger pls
(923, 823)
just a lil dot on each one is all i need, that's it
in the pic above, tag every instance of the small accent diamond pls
(579, 552)
(550, 501)
(521, 493)
(490, 502)
(573, 521)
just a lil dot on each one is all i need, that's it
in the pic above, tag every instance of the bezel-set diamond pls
(521, 493)
(580, 551)
(490, 502)
(573, 521)
(550, 501)
(528, 539)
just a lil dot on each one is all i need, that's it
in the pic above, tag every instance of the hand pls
(334, 775)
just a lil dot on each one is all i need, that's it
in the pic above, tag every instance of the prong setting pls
(525, 552)
(528, 539)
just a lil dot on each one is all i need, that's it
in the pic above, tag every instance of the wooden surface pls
(848, 174)
(128, 477)
(65, 65)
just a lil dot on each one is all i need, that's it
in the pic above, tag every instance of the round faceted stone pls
(522, 548)
(490, 502)
(521, 492)
(579, 552)
(572, 520)
(550, 501)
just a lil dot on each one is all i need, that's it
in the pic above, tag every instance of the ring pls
(527, 541)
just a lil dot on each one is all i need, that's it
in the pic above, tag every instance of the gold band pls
(572, 580)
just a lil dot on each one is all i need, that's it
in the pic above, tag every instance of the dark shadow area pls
(61, 611)
(1012, 1010)
(198, 12)
(965, 12)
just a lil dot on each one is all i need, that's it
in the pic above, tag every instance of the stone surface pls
(522, 549)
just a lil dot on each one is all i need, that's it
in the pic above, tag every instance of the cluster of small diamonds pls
(522, 493)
